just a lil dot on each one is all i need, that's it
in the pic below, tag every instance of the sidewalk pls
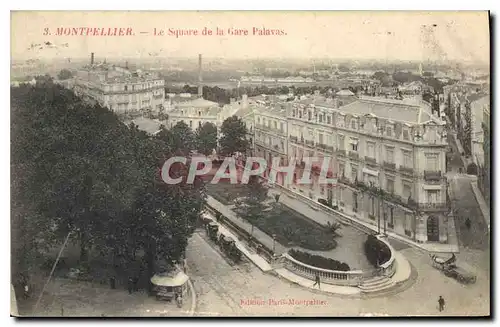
(293, 200)
(403, 273)
(254, 257)
(482, 204)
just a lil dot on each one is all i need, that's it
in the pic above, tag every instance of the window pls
(328, 119)
(126, 88)
(199, 113)
(433, 196)
(353, 123)
(389, 131)
(354, 173)
(275, 125)
(370, 149)
(320, 118)
(258, 120)
(354, 144)
(408, 223)
(389, 154)
(406, 134)
(320, 138)
(191, 123)
(341, 169)
(389, 185)
(406, 190)
(264, 122)
(309, 115)
(199, 124)
(282, 126)
(432, 162)
(407, 159)
(341, 142)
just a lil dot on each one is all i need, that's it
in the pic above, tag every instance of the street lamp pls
(274, 243)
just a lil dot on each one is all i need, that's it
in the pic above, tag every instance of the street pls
(226, 290)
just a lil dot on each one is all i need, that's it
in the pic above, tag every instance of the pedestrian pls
(136, 281)
(467, 223)
(26, 291)
(317, 281)
(112, 282)
(441, 303)
(130, 285)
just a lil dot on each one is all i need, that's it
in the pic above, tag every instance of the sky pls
(461, 36)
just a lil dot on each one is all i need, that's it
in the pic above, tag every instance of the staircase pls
(376, 284)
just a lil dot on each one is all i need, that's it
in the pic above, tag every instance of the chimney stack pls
(200, 79)
(91, 58)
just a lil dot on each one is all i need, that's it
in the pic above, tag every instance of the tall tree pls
(233, 139)
(206, 138)
(64, 74)
(180, 139)
(252, 206)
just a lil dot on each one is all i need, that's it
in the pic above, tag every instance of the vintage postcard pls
(252, 163)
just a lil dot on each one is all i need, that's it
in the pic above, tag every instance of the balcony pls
(353, 155)
(371, 160)
(340, 152)
(294, 139)
(442, 206)
(432, 176)
(330, 148)
(157, 97)
(310, 143)
(389, 165)
(406, 170)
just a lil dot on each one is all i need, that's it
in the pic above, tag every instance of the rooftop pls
(197, 103)
(148, 125)
(345, 93)
(390, 109)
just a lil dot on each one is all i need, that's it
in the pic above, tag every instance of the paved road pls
(223, 289)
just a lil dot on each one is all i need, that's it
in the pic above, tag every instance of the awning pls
(370, 172)
(355, 142)
(178, 279)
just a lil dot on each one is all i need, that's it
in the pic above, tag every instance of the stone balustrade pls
(334, 277)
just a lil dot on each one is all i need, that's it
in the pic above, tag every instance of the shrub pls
(472, 169)
(318, 261)
(376, 251)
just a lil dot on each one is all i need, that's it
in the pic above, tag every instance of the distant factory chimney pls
(126, 64)
(91, 58)
(200, 79)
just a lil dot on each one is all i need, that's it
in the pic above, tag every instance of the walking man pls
(441, 303)
(467, 223)
(130, 285)
(317, 281)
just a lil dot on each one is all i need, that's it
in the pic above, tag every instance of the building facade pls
(194, 113)
(388, 157)
(121, 90)
(484, 171)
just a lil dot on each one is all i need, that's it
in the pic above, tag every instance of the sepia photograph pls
(250, 164)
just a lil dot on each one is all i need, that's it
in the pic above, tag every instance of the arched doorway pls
(433, 229)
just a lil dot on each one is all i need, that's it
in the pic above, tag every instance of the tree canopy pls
(77, 167)
(206, 138)
(233, 139)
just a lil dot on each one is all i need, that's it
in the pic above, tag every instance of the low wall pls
(243, 235)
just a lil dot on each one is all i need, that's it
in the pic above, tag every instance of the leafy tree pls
(64, 74)
(251, 207)
(206, 138)
(233, 137)
(180, 139)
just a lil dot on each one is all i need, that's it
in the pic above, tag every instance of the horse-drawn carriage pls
(450, 269)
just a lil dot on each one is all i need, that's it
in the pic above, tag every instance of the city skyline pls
(460, 36)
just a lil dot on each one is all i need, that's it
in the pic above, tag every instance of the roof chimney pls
(91, 58)
(200, 79)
